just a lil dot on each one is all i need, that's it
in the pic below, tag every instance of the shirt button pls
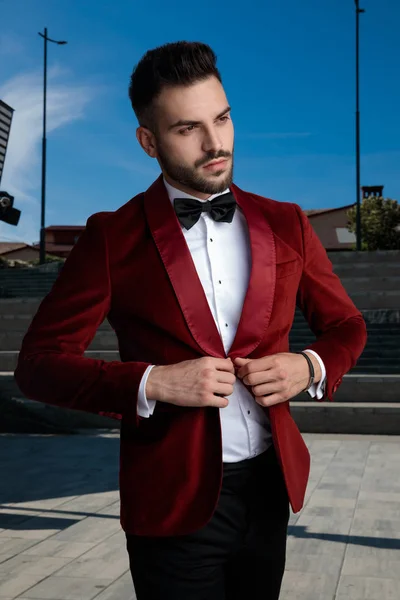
(248, 412)
(219, 281)
(226, 324)
(211, 239)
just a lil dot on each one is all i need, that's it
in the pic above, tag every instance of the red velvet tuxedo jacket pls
(133, 267)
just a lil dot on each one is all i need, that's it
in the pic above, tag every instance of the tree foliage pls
(380, 223)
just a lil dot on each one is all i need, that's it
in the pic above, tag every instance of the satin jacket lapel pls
(174, 252)
(257, 306)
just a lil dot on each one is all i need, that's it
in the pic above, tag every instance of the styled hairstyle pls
(174, 64)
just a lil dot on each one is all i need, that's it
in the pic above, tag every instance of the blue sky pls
(288, 70)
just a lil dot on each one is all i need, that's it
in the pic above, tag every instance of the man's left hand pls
(276, 378)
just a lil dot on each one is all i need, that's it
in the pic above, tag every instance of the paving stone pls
(379, 495)
(372, 527)
(381, 512)
(368, 588)
(91, 503)
(91, 529)
(36, 565)
(70, 510)
(322, 525)
(13, 546)
(297, 585)
(42, 504)
(341, 491)
(122, 589)
(368, 503)
(102, 562)
(315, 547)
(59, 549)
(330, 512)
(326, 498)
(13, 586)
(67, 588)
(372, 566)
(329, 565)
(358, 551)
(37, 528)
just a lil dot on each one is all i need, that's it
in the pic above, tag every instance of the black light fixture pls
(8, 214)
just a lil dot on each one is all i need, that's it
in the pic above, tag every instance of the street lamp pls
(358, 179)
(42, 254)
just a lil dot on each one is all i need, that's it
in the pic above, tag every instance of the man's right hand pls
(193, 382)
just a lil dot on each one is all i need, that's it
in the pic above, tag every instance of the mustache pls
(212, 156)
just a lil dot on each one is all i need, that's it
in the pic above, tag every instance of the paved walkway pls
(60, 537)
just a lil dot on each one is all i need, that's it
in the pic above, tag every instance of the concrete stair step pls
(9, 322)
(374, 408)
(381, 369)
(381, 418)
(103, 340)
(392, 363)
(376, 299)
(356, 387)
(20, 415)
(9, 358)
(367, 269)
(375, 336)
(376, 257)
(388, 347)
(377, 332)
(23, 306)
(370, 283)
(373, 328)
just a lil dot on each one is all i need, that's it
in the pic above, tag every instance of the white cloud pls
(22, 171)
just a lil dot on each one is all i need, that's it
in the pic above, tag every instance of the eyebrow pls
(185, 123)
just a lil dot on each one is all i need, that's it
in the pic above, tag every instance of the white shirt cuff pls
(318, 389)
(145, 407)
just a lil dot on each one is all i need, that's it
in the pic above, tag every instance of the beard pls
(191, 178)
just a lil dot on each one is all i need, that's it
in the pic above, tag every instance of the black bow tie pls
(188, 210)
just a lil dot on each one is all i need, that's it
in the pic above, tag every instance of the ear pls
(147, 141)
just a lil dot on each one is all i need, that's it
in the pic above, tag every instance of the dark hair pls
(177, 63)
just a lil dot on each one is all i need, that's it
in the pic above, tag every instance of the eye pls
(188, 129)
(225, 118)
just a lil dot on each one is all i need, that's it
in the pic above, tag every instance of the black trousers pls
(239, 553)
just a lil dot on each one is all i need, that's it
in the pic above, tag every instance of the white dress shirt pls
(222, 257)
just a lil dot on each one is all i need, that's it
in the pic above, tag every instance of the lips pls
(214, 166)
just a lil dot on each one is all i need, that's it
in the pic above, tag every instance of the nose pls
(212, 142)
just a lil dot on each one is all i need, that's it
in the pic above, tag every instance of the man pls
(200, 281)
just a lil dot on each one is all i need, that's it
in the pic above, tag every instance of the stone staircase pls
(34, 282)
(368, 399)
(381, 354)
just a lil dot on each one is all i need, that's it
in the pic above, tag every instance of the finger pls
(269, 400)
(258, 378)
(218, 401)
(223, 389)
(224, 364)
(272, 387)
(225, 377)
(240, 362)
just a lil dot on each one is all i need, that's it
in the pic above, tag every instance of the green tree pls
(380, 223)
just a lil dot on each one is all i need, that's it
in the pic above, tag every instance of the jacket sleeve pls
(337, 324)
(51, 365)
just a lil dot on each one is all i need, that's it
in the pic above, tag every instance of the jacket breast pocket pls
(290, 267)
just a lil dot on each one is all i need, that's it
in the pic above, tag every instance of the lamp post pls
(42, 254)
(358, 178)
